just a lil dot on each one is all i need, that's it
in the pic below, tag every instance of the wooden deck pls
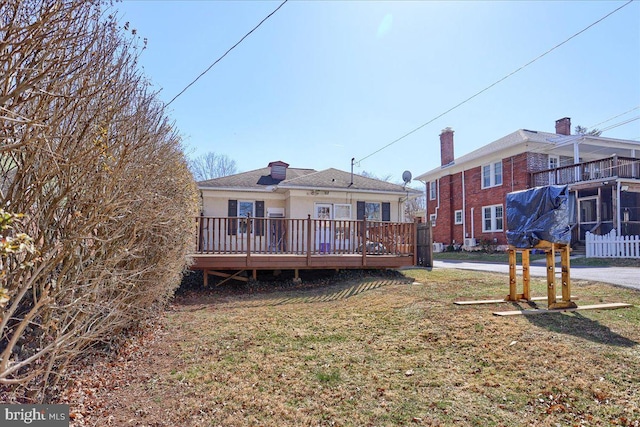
(288, 261)
(238, 244)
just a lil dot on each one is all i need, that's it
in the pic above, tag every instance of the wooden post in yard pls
(513, 282)
(526, 283)
(512, 276)
(566, 279)
(551, 274)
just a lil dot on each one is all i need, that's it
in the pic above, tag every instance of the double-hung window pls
(492, 218)
(246, 209)
(457, 217)
(432, 190)
(372, 211)
(239, 212)
(492, 174)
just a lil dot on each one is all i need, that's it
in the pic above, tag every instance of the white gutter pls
(472, 227)
(272, 188)
(464, 210)
(413, 193)
(437, 197)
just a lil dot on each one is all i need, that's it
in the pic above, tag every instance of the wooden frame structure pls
(550, 250)
(564, 304)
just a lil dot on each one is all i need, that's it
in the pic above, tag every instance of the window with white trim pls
(341, 211)
(432, 218)
(492, 174)
(324, 211)
(492, 218)
(457, 216)
(554, 161)
(432, 190)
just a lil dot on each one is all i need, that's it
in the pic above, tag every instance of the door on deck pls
(589, 214)
(323, 232)
(277, 230)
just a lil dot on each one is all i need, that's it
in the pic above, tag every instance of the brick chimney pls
(446, 146)
(563, 126)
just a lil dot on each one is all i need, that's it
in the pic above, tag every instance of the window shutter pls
(360, 210)
(259, 223)
(386, 212)
(232, 225)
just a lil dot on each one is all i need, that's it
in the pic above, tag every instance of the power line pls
(495, 83)
(225, 54)
(614, 117)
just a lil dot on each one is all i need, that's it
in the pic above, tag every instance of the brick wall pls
(515, 176)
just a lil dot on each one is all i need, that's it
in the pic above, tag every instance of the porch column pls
(618, 212)
(576, 160)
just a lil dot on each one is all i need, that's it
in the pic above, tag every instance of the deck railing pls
(250, 235)
(611, 167)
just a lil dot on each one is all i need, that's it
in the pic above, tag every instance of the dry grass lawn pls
(376, 351)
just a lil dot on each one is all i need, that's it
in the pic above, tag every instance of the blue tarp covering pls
(537, 214)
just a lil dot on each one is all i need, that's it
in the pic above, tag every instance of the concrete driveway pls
(628, 277)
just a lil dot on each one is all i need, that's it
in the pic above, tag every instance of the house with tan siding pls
(279, 191)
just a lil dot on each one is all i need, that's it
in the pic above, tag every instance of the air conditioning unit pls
(438, 247)
(470, 242)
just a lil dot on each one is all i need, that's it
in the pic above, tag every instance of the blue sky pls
(321, 82)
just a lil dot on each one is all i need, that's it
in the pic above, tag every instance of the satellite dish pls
(406, 177)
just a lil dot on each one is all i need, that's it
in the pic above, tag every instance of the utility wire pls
(495, 83)
(225, 54)
(614, 117)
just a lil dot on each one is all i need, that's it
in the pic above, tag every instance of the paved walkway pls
(628, 277)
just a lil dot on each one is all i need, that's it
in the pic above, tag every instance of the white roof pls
(524, 140)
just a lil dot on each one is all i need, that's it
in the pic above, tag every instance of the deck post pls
(308, 240)
(199, 245)
(364, 241)
(249, 231)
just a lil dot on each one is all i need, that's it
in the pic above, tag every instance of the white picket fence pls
(612, 246)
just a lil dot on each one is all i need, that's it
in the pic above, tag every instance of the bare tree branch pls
(212, 165)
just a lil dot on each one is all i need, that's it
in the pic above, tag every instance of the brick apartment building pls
(466, 195)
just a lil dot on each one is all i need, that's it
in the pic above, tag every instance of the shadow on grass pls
(576, 324)
(316, 287)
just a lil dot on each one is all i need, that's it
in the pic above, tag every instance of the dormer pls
(278, 170)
